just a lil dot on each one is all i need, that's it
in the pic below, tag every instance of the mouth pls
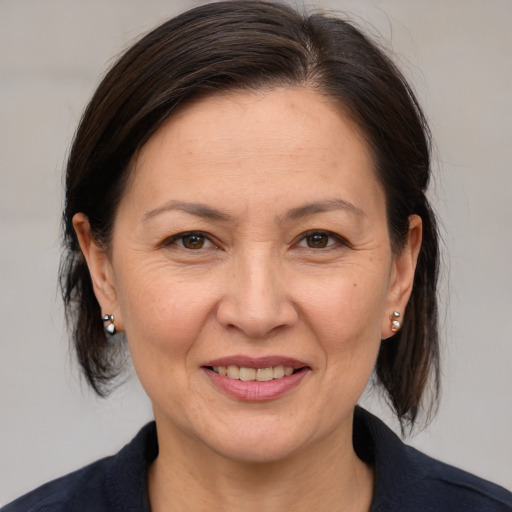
(259, 379)
(247, 374)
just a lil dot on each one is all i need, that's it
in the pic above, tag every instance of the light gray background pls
(457, 53)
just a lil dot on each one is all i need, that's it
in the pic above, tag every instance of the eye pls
(317, 240)
(320, 240)
(191, 241)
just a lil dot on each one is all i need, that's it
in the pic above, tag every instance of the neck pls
(325, 477)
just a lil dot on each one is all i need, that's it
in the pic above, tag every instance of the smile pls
(250, 374)
(255, 379)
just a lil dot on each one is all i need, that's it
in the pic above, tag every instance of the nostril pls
(256, 323)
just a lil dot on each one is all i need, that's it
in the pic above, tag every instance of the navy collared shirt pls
(406, 480)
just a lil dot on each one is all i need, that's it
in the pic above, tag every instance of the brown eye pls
(190, 240)
(193, 241)
(317, 240)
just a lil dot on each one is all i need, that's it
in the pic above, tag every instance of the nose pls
(255, 300)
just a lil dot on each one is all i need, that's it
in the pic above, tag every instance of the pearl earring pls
(111, 327)
(395, 324)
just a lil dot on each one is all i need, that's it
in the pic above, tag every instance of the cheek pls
(347, 308)
(164, 316)
(346, 314)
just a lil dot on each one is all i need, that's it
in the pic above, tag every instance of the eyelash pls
(205, 238)
(180, 237)
(336, 240)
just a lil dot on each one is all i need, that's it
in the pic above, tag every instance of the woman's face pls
(253, 235)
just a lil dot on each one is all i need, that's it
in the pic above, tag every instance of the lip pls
(256, 362)
(256, 391)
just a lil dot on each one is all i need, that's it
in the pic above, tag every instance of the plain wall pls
(458, 55)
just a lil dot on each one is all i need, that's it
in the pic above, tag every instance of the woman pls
(245, 206)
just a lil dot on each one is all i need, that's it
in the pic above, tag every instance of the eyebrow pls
(322, 207)
(207, 212)
(200, 210)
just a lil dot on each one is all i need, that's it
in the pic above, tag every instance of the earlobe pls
(402, 278)
(100, 267)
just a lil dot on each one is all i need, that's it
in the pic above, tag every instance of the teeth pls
(251, 374)
(247, 374)
(264, 374)
(278, 371)
(233, 372)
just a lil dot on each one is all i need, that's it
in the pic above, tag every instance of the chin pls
(256, 444)
(264, 452)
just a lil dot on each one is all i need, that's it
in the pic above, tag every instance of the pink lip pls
(256, 362)
(255, 391)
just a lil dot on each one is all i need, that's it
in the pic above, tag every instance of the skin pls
(258, 284)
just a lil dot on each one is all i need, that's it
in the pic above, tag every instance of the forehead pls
(294, 117)
(256, 144)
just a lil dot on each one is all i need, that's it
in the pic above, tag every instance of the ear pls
(100, 268)
(402, 275)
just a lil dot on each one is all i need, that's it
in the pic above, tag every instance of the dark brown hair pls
(256, 45)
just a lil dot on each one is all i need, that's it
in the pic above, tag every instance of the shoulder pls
(448, 488)
(81, 490)
(407, 480)
(112, 484)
